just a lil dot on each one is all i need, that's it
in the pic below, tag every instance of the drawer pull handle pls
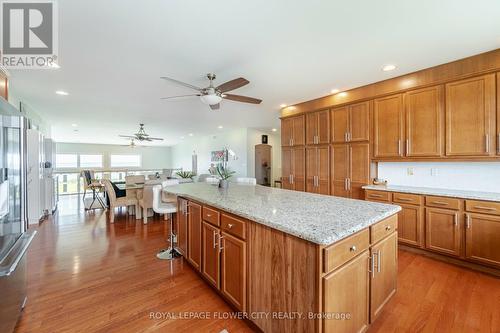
(404, 199)
(484, 208)
(375, 195)
(387, 227)
(353, 248)
(230, 225)
(441, 203)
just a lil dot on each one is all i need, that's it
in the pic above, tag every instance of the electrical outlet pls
(409, 171)
(434, 172)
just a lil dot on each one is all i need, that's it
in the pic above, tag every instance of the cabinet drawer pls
(405, 198)
(383, 228)
(233, 226)
(442, 202)
(378, 195)
(344, 250)
(485, 207)
(211, 216)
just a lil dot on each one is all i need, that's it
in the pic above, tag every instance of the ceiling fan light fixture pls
(211, 99)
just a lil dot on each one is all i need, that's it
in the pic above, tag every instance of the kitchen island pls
(290, 261)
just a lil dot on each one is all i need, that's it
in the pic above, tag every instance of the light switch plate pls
(409, 171)
(434, 172)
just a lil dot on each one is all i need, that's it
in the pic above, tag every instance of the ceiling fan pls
(131, 144)
(140, 136)
(212, 95)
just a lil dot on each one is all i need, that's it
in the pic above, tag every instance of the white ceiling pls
(113, 52)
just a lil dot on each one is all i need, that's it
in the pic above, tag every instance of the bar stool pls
(167, 209)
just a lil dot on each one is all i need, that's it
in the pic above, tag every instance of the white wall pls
(473, 176)
(152, 157)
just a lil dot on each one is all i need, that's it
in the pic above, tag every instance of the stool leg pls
(170, 252)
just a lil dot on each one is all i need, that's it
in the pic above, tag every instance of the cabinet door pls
(384, 276)
(211, 255)
(498, 114)
(359, 167)
(340, 124)
(323, 127)
(359, 119)
(388, 129)
(425, 122)
(442, 231)
(470, 107)
(311, 128)
(299, 169)
(194, 235)
(182, 226)
(311, 169)
(299, 131)
(346, 290)
(286, 132)
(286, 168)
(323, 167)
(340, 170)
(234, 275)
(482, 239)
(410, 225)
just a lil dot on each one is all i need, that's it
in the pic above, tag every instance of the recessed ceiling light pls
(220, 127)
(282, 105)
(388, 68)
(334, 91)
(74, 125)
(62, 93)
(274, 130)
(191, 134)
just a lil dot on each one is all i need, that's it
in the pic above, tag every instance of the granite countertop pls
(321, 219)
(476, 195)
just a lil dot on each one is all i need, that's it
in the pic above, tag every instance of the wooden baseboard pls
(450, 260)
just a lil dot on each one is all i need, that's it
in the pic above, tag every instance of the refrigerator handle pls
(25, 239)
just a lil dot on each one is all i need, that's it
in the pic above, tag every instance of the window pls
(66, 161)
(90, 161)
(118, 161)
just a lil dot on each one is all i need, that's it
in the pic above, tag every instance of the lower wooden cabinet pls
(443, 231)
(182, 226)
(194, 234)
(383, 273)
(411, 225)
(482, 238)
(211, 254)
(233, 284)
(347, 291)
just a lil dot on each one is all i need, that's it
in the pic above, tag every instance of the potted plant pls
(185, 174)
(224, 174)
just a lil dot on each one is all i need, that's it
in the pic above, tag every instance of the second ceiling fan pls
(212, 95)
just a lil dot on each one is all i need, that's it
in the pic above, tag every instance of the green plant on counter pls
(185, 174)
(224, 173)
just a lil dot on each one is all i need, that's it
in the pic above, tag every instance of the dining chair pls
(119, 202)
(246, 180)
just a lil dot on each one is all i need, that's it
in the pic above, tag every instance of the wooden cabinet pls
(346, 290)
(411, 225)
(234, 279)
(351, 123)
(482, 238)
(424, 115)
(293, 168)
(318, 127)
(388, 126)
(470, 115)
(318, 169)
(350, 169)
(194, 234)
(383, 273)
(498, 115)
(443, 231)
(293, 131)
(210, 254)
(182, 226)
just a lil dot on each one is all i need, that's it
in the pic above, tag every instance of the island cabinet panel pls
(482, 238)
(194, 235)
(293, 131)
(470, 116)
(424, 110)
(388, 127)
(318, 169)
(283, 276)
(443, 231)
(210, 254)
(384, 273)
(346, 290)
(339, 253)
(182, 226)
(234, 270)
(318, 127)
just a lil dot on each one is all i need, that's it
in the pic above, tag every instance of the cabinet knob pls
(353, 248)
(230, 225)
(387, 227)
(208, 215)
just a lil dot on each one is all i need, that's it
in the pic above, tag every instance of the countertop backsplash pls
(471, 176)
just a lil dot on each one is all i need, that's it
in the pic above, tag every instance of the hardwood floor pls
(86, 275)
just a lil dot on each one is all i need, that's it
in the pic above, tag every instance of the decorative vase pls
(223, 183)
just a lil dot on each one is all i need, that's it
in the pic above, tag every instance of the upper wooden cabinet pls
(293, 131)
(470, 115)
(424, 115)
(318, 127)
(388, 126)
(351, 123)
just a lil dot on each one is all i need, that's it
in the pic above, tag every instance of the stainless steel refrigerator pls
(14, 236)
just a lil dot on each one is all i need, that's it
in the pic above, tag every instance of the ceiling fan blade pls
(181, 83)
(127, 136)
(233, 84)
(180, 96)
(244, 99)
(215, 106)
(151, 139)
